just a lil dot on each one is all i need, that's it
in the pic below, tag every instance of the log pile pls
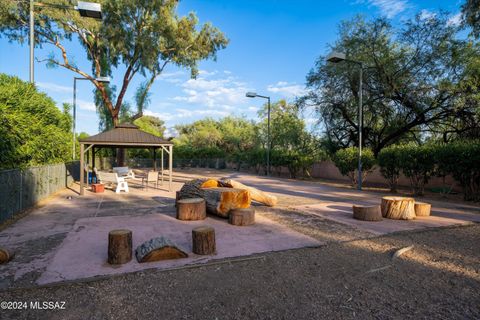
(399, 208)
(157, 249)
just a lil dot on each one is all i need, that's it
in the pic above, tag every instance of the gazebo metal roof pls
(126, 135)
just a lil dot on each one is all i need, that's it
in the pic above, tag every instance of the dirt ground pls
(351, 276)
(438, 279)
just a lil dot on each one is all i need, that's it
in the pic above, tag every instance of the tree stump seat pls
(399, 208)
(5, 255)
(203, 240)
(158, 249)
(119, 246)
(242, 217)
(422, 209)
(367, 213)
(191, 209)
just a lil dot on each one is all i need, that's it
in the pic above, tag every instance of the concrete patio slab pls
(83, 253)
(341, 212)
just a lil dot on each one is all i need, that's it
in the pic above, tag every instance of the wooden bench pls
(113, 178)
(124, 172)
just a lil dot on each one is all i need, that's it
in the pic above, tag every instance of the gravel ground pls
(438, 279)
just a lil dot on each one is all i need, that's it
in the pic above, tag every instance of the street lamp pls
(336, 57)
(99, 79)
(86, 9)
(255, 95)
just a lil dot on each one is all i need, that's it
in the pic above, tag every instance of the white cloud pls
(427, 15)
(54, 87)
(187, 114)
(288, 90)
(86, 105)
(455, 20)
(389, 8)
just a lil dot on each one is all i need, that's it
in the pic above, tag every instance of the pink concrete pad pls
(342, 212)
(83, 253)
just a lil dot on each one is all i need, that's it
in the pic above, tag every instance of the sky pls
(273, 45)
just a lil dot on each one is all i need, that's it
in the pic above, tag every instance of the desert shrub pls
(417, 164)
(346, 160)
(389, 161)
(33, 131)
(462, 161)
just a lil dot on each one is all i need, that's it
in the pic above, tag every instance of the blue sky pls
(273, 45)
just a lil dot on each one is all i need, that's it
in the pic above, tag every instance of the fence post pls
(21, 189)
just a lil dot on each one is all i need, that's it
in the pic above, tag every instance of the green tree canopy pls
(471, 13)
(33, 130)
(151, 124)
(134, 37)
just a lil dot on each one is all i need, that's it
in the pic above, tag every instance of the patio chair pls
(124, 172)
(152, 176)
(113, 178)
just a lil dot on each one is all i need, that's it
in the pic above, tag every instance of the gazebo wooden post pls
(161, 166)
(93, 157)
(154, 159)
(82, 169)
(170, 167)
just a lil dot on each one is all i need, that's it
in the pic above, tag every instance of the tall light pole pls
(86, 9)
(255, 95)
(74, 125)
(336, 57)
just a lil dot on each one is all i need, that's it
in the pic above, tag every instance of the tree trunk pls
(256, 194)
(191, 209)
(157, 249)
(365, 213)
(422, 209)
(242, 217)
(398, 208)
(119, 246)
(203, 240)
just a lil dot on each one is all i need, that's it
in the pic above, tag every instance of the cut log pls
(399, 208)
(203, 240)
(242, 217)
(422, 209)
(367, 213)
(5, 255)
(119, 246)
(157, 249)
(191, 209)
(256, 194)
(219, 201)
(177, 197)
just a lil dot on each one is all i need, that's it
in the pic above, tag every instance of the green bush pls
(346, 160)
(462, 161)
(389, 162)
(33, 131)
(417, 164)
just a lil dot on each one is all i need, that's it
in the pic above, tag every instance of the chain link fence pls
(22, 189)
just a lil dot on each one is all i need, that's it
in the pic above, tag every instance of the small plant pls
(389, 162)
(346, 160)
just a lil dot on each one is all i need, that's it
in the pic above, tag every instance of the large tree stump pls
(399, 208)
(255, 194)
(191, 209)
(203, 240)
(367, 213)
(422, 209)
(5, 255)
(157, 249)
(242, 217)
(119, 246)
(219, 201)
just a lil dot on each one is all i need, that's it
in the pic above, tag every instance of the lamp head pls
(336, 57)
(89, 9)
(103, 79)
(251, 94)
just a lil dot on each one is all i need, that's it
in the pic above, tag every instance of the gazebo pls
(125, 135)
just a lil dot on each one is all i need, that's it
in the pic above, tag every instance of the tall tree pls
(410, 84)
(135, 37)
(471, 14)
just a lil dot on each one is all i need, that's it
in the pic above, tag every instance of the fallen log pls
(157, 249)
(256, 194)
(399, 208)
(119, 246)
